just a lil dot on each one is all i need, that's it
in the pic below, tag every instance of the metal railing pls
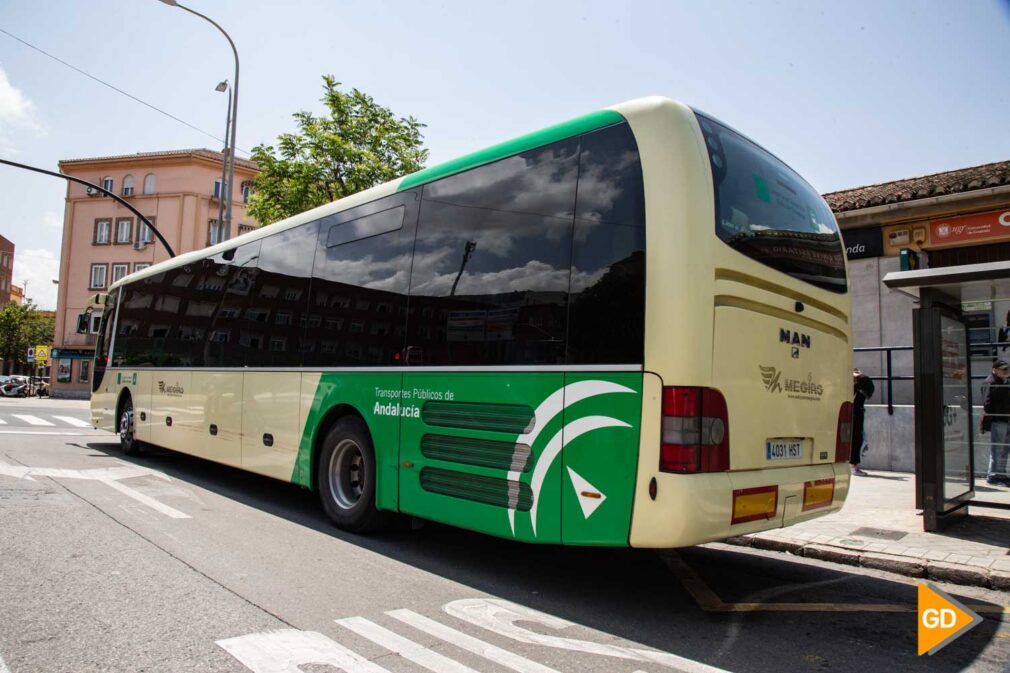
(889, 377)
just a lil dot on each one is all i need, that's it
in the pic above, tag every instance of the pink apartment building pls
(6, 270)
(103, 241)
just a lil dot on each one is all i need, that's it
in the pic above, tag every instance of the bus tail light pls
(843, 438)
(695, 432)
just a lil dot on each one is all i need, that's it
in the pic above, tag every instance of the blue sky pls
(848, 93)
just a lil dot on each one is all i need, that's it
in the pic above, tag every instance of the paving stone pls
(980, 561)
(957, 573)
(937, 556)
(902, 565)
(1002, 564)
(958, 558)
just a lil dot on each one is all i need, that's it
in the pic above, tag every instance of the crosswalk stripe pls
(408, 649)
(76, 422)
(469, 643)
(32, 420)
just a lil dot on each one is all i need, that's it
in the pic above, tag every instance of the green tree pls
(22, 326)
(357, 144)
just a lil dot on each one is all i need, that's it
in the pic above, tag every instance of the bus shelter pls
(950, 366)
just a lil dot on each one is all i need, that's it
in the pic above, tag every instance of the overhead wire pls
(117, 89)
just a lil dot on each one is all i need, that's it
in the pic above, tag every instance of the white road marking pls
(287, 650)
(500, 616)
(145, 499)
(469, 643)
(110, 476)
(3, 422)
(32, 420)
(406, 648)
(42, 433)
(76, 422)
(3, 666)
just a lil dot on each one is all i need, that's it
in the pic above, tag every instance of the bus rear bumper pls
(696, 508)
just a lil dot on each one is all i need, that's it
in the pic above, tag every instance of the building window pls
(85, 370)
(128, 185)
(246, 192)
(149, 183)
(216, 232)
(245, 228)
(119, 271)
(144, 232)
(218, 189)
(107, 183)
(98, 276)
(103, 232)
(124, 230)
(139, 266)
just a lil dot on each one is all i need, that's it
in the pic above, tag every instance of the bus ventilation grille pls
(488, 490)
(482, 452)
(511, 418)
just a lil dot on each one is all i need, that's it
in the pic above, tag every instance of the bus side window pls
(275, 317)
(607, 315)
(489, 284)
(357, 310)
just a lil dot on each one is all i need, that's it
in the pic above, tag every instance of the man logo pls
(794, 338)
(771, 377)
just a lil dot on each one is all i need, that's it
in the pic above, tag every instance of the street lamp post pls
(230, 142)
(222, 87)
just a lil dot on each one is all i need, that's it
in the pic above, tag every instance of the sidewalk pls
(879, 528)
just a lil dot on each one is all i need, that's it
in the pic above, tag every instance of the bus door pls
(478, 450)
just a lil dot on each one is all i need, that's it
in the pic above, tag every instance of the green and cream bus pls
(631, 328)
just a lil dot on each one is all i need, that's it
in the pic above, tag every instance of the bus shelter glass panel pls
(957, 474)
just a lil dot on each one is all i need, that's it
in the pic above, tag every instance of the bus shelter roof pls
(966, 283)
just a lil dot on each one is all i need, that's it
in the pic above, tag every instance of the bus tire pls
(128, 441)
(345, 477)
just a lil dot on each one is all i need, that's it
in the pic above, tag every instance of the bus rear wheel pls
(127, 429)
(345, 477)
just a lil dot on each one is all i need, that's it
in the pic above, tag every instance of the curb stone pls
(965, 575)
(958, 574)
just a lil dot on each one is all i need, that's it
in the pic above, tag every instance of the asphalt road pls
(169, 563)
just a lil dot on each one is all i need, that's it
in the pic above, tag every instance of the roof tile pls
(951, 182)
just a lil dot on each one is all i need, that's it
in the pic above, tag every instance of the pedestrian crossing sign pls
(41, 354)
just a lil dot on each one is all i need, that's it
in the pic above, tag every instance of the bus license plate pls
(785, 449)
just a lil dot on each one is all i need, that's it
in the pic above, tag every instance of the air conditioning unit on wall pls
(93, 191)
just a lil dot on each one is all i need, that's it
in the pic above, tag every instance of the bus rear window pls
(766, 211)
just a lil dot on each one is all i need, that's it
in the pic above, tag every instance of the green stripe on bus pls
(572, 127)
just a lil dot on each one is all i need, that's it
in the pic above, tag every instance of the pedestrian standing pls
(997, 411)
(862, 388)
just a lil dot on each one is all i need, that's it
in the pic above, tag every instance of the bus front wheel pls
(346, 477)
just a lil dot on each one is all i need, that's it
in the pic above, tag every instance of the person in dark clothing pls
(862, 388)
(997, 409)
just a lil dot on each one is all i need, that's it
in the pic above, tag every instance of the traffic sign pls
(31, 354)
(41, 354)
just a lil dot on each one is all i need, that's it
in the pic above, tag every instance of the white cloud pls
(39, 267)
(17, 113)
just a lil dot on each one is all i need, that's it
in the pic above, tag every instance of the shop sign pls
(980, 226)
(863, 243)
